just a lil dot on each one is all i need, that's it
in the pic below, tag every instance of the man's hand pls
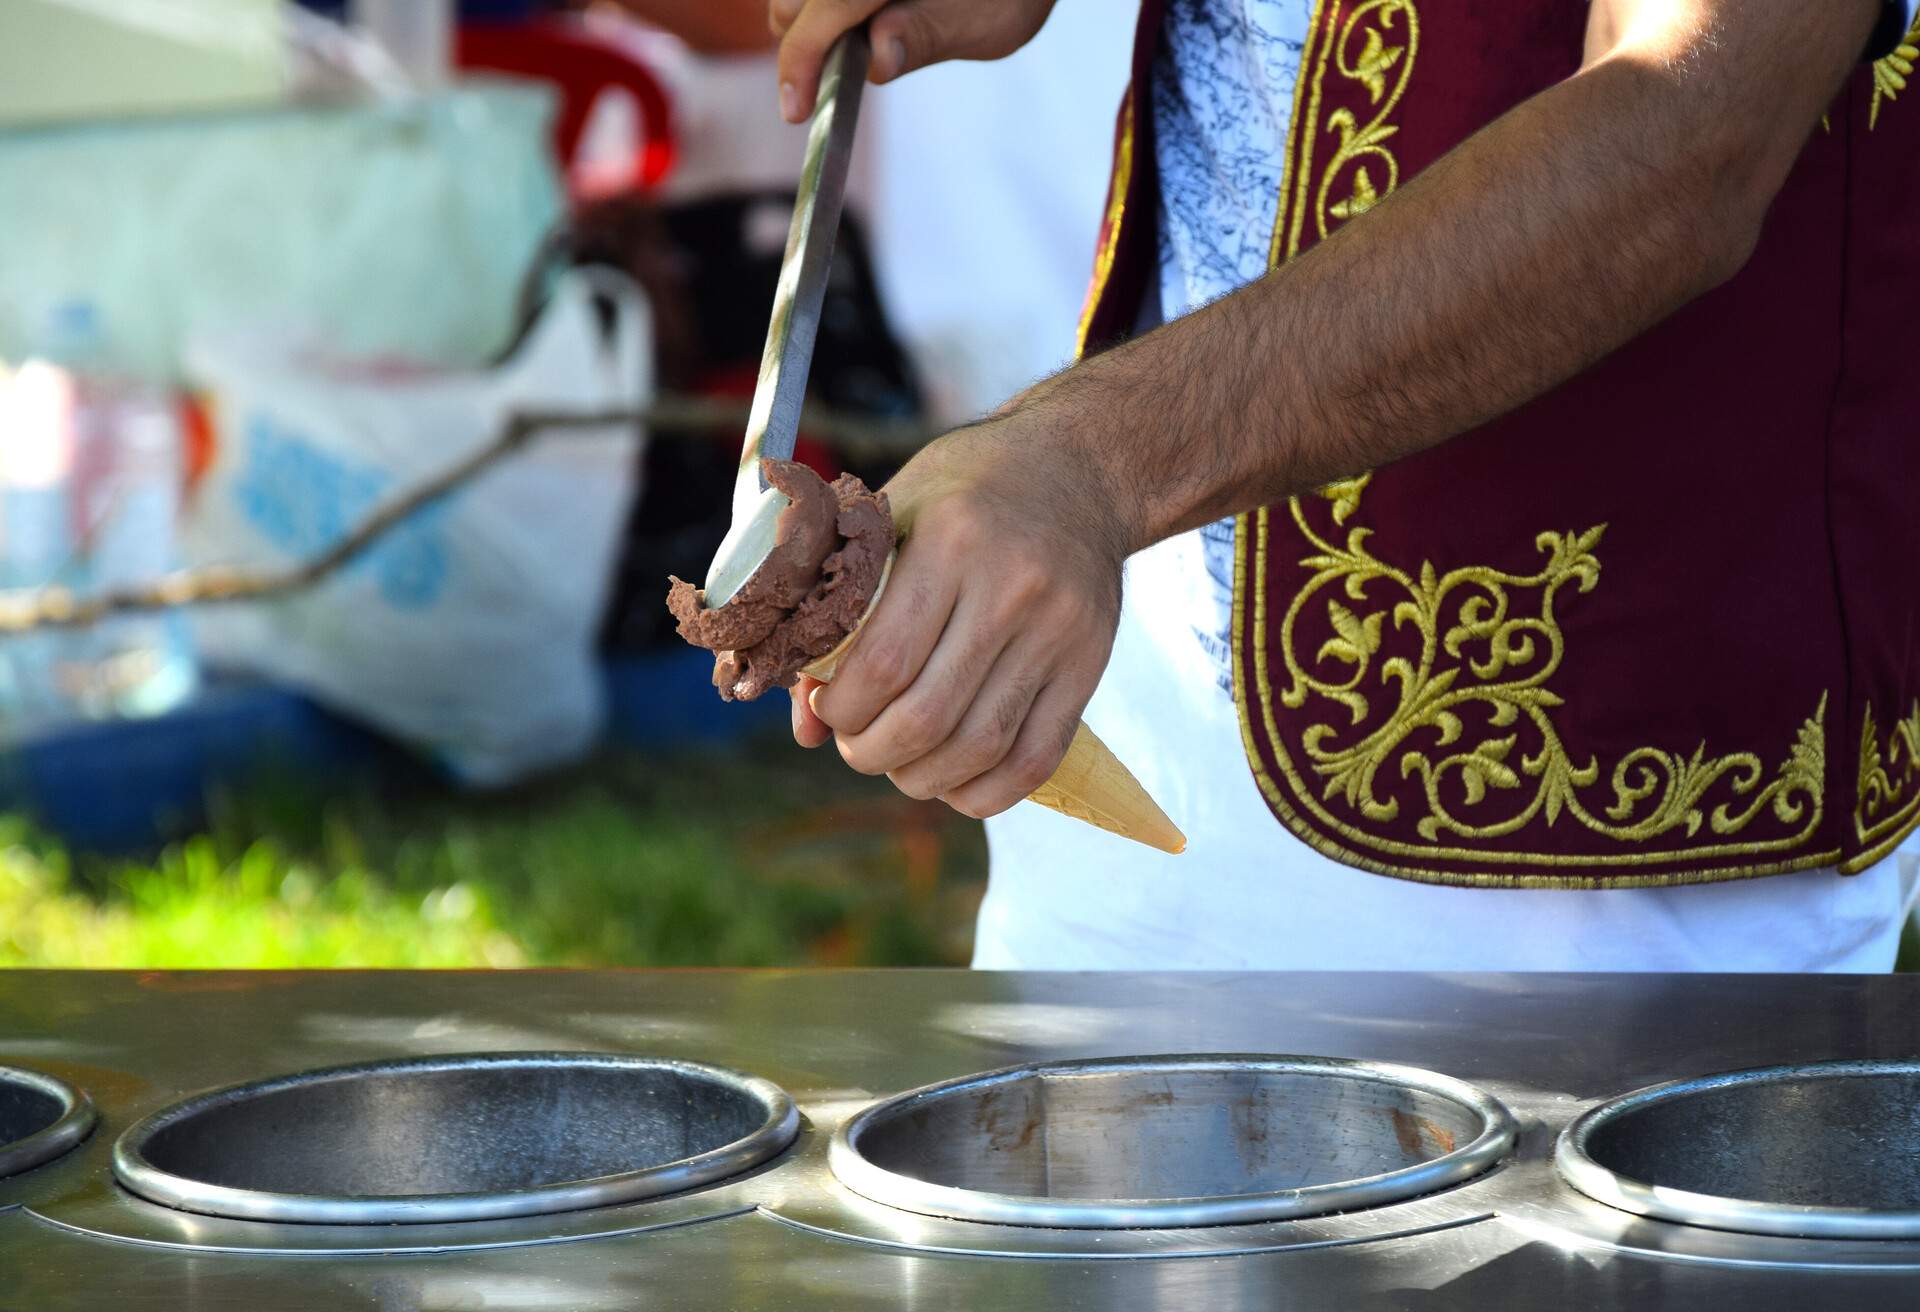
(969, 678)
(906, 34)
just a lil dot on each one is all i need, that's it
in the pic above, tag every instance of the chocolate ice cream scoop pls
(809, 594)
(803, 537)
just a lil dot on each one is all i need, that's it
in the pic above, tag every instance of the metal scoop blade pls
(774, 421)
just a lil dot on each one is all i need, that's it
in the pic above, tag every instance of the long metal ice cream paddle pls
(774, 421)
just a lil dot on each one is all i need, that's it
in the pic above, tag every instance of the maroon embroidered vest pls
(1661, 625)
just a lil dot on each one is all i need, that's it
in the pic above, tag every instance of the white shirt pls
(1247, 894)
(985, 175)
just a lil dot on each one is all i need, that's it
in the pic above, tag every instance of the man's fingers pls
(781, 13)
(1036, 753)
(925, 715)
(804, 46)
(808, 728)
(984, 735)
(893, 646)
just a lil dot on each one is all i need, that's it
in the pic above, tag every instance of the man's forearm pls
(1560, 232)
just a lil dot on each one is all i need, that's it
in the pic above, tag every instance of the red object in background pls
(197, 441)
(582, 66)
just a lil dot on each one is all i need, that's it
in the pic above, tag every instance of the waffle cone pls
(1091, 784)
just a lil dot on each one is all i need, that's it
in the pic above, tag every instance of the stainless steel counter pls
(788, 1235)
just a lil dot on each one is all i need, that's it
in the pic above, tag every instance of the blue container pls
(123, 785)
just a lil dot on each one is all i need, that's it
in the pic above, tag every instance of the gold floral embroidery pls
(1377, 20)
(1890, 73)
(1373, 49)
(1437, 724)
(1489, 642)
(1364, 197)
(1345, 496)
(1887, 797)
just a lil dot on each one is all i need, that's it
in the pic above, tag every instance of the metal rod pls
(774, 422)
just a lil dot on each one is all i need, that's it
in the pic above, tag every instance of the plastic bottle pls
(90, 492)
(37, 404)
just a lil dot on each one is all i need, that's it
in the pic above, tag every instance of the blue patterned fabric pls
(1222, 96)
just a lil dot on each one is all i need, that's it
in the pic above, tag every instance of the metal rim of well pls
(1573, 1159)
(776, 1132)
(75, 1122)
(1493, 1143)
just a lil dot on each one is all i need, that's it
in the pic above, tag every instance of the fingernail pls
(890, 58)
(789, 102)
(813, 698)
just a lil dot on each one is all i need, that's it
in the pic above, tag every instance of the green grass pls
(757, 856)
(752, 857)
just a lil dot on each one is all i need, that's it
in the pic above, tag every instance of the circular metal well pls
(1170, 1141)
(458, 1138)
(40, 1118)
(1829, 1150)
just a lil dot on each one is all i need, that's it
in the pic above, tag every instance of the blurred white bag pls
(397, 227)
(469, 629)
